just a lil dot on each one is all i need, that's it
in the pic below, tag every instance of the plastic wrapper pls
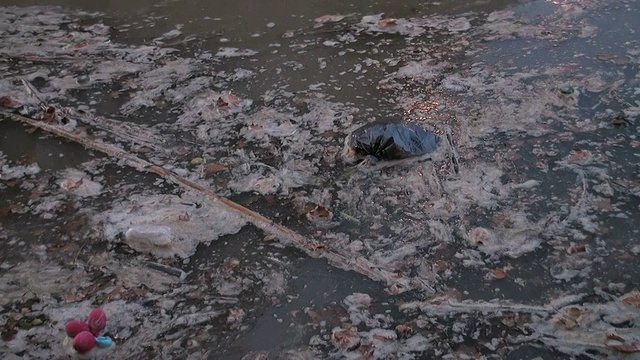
(392, 139)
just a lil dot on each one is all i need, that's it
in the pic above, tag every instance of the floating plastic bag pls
(392, 139)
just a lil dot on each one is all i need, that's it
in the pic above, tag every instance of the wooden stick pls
(310, 247)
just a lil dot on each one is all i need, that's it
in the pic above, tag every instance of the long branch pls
(311, 247)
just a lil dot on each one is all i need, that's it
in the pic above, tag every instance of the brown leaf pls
(329, 134)
(213, 168)
(620, 120)
(31, 129)
(8, 332)
(233, 100)
(383, 337)
(4, 211)
(118, 290)
(72, 184)
(346, 337)
(632, 298)
(403, 329)
(73, 297)
(570, 317)
(576, 248)
(479, 236)
(320, 212)
(328, 18)
(580, 156)
(235, 317)
(602, 204)
(618, 60)
(8, 101)
(35, 193)
(48, 115)
(618, 343)
(221, 102)
(269, 238)
(19, 208)
(316, 245)
(497, 274)
(76, 224)
(386, 22)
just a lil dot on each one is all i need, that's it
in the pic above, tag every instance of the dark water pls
(276, 324)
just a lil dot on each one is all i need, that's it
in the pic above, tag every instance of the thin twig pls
(75, 259)
(33, 92)
(583, 196)
(46, 59)
(452, 307)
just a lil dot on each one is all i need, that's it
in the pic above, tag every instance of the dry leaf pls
(403, 329)
(618, 60)
(497, 274)
(603, 204)
(479, 236)
(76, 224)
(235, 317)
(386, 22)
(48, 115)
(570, 317)
(320, 212)
(8, 101)
(213, 168)
(618, 343)
(328, 18)
(269, 238)
(4, 211)
(576, 248)
(384, 336)
(346, 337)
(330, 134)
(73, 297)
(580, 156)
(72, 184)
(316, 245)
(221, 102)
(233, 100)
(632, 298)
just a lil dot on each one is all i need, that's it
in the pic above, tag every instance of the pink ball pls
(97, 321)
(83, 342)
(75, 327)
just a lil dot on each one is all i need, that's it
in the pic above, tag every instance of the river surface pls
(518, 238)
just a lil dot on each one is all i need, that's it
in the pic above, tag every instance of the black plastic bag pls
(392, 139)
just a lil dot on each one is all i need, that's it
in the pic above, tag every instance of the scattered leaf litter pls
(481, 213)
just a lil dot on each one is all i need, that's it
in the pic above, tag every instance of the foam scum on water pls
(517, 237)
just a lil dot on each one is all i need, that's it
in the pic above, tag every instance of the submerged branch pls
(310, 247)
(454, 307)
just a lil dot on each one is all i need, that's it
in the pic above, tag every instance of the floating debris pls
(392, 139)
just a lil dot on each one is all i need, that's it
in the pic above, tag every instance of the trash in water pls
(149, 238)
(567, 90)
(86, 335)
(391, 139)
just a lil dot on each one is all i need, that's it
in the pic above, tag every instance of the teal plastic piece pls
(104, 342)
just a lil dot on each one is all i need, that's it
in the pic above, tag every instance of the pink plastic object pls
(75, 327)
(97, 321)
(84, 342)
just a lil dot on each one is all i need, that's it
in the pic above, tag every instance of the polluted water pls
(454, 180)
